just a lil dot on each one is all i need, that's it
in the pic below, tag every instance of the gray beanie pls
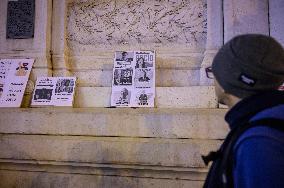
(249, 64)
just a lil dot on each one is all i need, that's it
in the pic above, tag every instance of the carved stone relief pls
(133, 22)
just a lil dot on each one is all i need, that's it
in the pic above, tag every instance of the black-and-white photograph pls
(1, 89)
(143, 78)
(122, 97)
(143, 98)
(64, 86)
(142, 63)
(124, 56)
(43, 93)
(122, 76)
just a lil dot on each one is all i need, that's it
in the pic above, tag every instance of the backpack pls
(220, 174)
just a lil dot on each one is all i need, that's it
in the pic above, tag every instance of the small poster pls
(133, 79)
(14, 75)
(54, 91)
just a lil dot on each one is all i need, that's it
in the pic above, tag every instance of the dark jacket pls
(258, 154)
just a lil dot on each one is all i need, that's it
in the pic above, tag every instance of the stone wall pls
(108, 24)
(103, 147)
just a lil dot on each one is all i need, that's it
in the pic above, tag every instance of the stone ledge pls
(107, 150)
(142, 171)
(105, 61)
(24, 179)
(166, 97)
(164, 77)
(120, 122)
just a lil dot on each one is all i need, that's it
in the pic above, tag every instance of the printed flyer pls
(133, 79)
(14, 75)
(54, 91)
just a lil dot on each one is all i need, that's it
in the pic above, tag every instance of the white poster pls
(54, 91)
(14, 75)
(133, 79)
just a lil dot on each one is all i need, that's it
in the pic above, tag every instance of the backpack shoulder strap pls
(269, 122)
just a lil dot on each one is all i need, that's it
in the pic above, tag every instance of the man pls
(248, 71)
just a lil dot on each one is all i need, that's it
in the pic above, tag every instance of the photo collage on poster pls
(14, 75)
(133, 79)
(54, 91)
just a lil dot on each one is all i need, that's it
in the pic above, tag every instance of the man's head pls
(123, 55)
(247, 65)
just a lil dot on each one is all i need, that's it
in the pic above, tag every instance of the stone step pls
(118, 122)
(104, 60)
(164, 77)
(166, 97)
(107, 150)
(24, 179)
(158, 172)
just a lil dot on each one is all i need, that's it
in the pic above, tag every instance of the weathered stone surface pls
(157, 123)
(104, 24)
(166, 97)
(39, 46)
(164, 77)
(37, 72)
(22, 179)
(186, 97)
(276, 14)
(107, 150)
(92, 97)
(41, 60)
(214, 24)
(103, 60)
(215, 37)
(245, 16)
(139, 171)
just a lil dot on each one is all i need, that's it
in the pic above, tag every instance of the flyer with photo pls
(14, 75)
(133, 82)
(54, 91)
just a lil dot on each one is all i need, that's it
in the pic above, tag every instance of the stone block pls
(24, 179)
(108, 150)
(120, 122)
(164, 77)
(186, 97)
(38, 72)
(42, 60)
(104, 61)
(276, 14)
(245, 16)
(92, 97)
(166, 97)
(139, 171)
(215, 25)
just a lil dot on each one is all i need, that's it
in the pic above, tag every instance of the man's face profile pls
(220, 93)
